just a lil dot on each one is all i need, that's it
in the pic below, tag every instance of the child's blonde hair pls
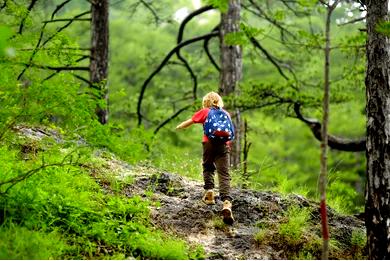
(212, 99)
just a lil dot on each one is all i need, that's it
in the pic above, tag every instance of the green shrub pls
(68, 201)
(20, 243)
(297, 222)
(156, 246)
(344, 198)
(260, 235)
(358, 238)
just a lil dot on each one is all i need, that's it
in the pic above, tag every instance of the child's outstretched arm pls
(184, 124)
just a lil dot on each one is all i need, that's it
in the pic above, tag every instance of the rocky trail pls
(182, 211)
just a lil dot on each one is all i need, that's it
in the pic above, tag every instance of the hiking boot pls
(227, 213)
(208, 197)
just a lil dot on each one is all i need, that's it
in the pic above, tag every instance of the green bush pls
(344, 198)
(297, 222)
(358, 238)
(20, 243)
(65, 200)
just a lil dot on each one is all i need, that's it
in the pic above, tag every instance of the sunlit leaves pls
(222, 5)
(242, 37)
(307, 3)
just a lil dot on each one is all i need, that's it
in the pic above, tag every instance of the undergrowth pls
(52, 206)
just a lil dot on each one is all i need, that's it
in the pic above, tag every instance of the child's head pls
(212, 99)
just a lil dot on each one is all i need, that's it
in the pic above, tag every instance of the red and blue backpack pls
(218, 125)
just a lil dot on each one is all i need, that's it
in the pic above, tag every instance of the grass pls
(61, 212)
(18, 242)
(260, 235)
(297, 222)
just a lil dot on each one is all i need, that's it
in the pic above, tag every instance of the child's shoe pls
(208, 197)
(227, 213)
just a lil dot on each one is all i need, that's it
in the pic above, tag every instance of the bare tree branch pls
(67, 20)
(62, 49)
(353, 21)
(207, 50)
(162, 64)
(260, 12)
(29, 8)
(15, 180)
(83, 57)
(54, 68)
(3, 5)
(188, 18)
(269, 57)
(334, 142)
(171, 118)
(154, 13)
(64, 27)
(82, 79)
(59, 7)
(180, 39)
(38, 45)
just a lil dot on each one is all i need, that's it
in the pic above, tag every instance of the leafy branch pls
(38, 46)
(15, 180)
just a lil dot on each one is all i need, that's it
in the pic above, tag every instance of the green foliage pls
(21, 243)
(131, 146)
(284, 155)
(5, 33)
(260, 235)
(222, 5)
(297, 222)
(307, 3)
(343, 198)
(383, 28)
(358, 238)
(218, 223)
(65, 200)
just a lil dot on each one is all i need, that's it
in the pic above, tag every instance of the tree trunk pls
(99, 56)
(324, 139)
(231, 68)
(378, 134)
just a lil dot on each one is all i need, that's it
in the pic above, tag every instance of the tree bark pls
(99, 56)
(378, 133)
(231, 69)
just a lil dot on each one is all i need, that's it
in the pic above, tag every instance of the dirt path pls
(182, 211)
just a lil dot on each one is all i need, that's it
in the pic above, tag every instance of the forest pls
(94, 167)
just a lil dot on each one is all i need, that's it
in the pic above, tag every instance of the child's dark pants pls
(216, 157)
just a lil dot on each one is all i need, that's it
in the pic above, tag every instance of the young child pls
(215, 157)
